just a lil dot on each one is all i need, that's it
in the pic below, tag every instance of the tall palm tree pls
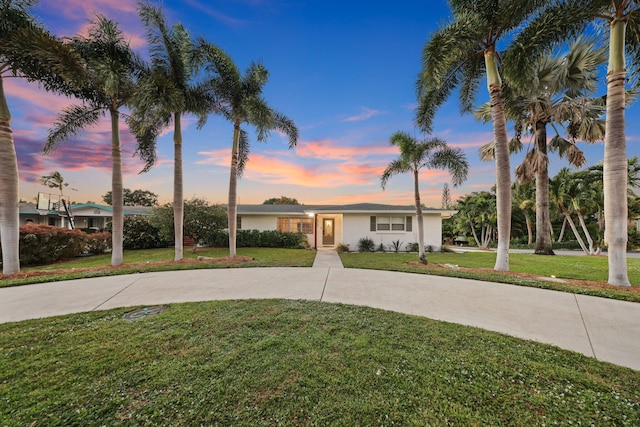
(110, 69)
(28, 51)
(460, 54)
(431, 153)
(570, 17)
(558, 95)
(164, 94)
(239, 99)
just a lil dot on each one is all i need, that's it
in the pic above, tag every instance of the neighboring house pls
(85, 215)
(327, 226)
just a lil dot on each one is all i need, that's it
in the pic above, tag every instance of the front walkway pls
(597, 327)
(327, 258)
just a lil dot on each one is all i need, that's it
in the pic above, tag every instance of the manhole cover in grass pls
(145, 312)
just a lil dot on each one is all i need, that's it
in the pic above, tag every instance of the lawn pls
(148, 260)
(479, 265)
(264, 363)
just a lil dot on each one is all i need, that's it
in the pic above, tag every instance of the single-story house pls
(85, 215)
(328, 226)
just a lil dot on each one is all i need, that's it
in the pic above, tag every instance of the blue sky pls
(343, 71)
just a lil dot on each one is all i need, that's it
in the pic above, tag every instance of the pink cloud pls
(87, 9)
(366, 114)
(329, 149)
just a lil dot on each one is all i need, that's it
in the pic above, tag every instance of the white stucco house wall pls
(327, 226)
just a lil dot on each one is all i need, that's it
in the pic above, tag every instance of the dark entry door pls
(328, 232)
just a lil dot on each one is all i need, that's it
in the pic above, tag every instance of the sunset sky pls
(344, 71)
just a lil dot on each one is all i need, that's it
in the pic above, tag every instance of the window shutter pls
(409, 226)
(373, 224)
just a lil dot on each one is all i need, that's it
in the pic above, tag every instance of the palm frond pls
(287, 126)
(146, 133)
(395, 167)
(243, 151)
(483, 112)
(554, 23)
(488, 151)
(523, 173)
(453, 160)
(70, 122)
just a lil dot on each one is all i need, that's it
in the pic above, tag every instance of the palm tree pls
(55, 180)
(557, 95)
(570, 17)
(239, 99)
(478, 212)
(110, 67)
(460, 54)
(431, 153)
(163, 95)
(524, 199)
(27, 50)
(575, 193)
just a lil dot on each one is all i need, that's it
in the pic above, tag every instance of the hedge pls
(255, 238)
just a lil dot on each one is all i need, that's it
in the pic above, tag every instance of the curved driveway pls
(597, 327)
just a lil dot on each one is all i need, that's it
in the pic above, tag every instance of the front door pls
(328, 232)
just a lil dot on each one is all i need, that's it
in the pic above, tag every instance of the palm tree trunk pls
(586, 232)
(178, 199)
(117, 196)
(615, 160)
(473, 231)
(503, 169)
(422, 256)
(9, 207)
(529, 228)
(575, 231)
(564, 226)
(233, 195)
(544, 245)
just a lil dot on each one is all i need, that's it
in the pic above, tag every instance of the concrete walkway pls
(327, 258)
(597, 327)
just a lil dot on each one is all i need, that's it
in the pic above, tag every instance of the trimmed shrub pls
(44, 244)
(255, 238)
(98, 242)
(342, 248)
(366, 244)
(140, 233)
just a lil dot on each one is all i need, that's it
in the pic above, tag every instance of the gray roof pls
(30, 209)
(353, 208)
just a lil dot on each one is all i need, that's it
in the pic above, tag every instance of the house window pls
(296, 225)
(391, 223)
(239, 222)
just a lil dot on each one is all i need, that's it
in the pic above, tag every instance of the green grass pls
(265, 363)
(591, 268)
(262, 257)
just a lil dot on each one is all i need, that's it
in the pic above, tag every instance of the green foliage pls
(202, 221)
(396, 245)
(44, 244)
(258, 239)
(140, 233)
(342, 248)
(282, 200)
(413, 247)
(365, 244)
(633, 239)
(98, 243)
(134, 198)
